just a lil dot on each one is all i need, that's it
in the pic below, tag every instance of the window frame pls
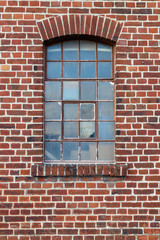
(66, 101)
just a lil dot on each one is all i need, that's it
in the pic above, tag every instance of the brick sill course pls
(78, 170)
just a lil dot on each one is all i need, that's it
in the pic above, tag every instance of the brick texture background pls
(98, 207)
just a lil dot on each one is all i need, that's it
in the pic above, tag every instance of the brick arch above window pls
(91, 27)
(64, 25)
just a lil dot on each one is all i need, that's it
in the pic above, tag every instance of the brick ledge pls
(81, 170)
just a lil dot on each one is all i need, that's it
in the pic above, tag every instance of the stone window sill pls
(78, 170)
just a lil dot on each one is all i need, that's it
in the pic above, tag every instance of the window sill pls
(78, 170)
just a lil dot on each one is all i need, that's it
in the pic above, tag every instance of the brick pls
(48, 29)
(105, 27)
(59, 25)
(42, 31)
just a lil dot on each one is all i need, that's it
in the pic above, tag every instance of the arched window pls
(79, 102)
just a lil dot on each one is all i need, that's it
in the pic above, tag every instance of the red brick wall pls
(98, 202)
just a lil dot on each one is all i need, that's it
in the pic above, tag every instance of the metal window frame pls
(79, 101)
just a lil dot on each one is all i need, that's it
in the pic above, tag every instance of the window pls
(79, 102)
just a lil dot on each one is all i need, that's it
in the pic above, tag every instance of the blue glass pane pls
(104, 52)
(106, 111)
(70, 69)
(54, 52)
(52, 130)
(87, 111)
(52, 90)
(53, 69)
(70, 151)
(88, 90)
(87, 50)
(52, 151)
(70, 50)
(70, 111)
(106, 151)
(70, 129)
(52, 110)
(106, 130)
(105, 90)
(104, 70)
(87, 129)
(88, 70)
(70, 90)
(88, 151)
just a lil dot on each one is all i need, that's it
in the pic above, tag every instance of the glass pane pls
(53, 110)
(70, 90)
(105, 90)
(87, 50)
(88, 151)
(70, 69)
(88, 90)
(70, 129)
(87, 130)
(52, 150)
(106, 111)
(106, 130)
(70, 111)
(87, 111)
(52, 130)
(53, 69)
(88, 70)
(104, 70)
(70, 151)
(54, 52)
(104, 52)
(52, 90)
(106, 151)
(70, 50)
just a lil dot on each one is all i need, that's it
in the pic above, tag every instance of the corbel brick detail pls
(78, 170)
(65, 25)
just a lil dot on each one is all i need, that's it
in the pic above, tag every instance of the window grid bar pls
(61, 157)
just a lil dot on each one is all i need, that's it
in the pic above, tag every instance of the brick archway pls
(65, 25)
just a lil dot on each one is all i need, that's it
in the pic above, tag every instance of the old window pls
(79, 102)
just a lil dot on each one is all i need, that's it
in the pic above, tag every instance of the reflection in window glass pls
(88, 90)
(52, 130)
(70, 70)
(70, 90)
(71, 111)
(105, 90)
(52, 90)
(87, 50)
(70, 151)
(70, 129)
(87, 130)
(104, 70)
(104, 52)
(70, 50)
(88, 151)
(88, 70)
(106, 130)
(52, 150)
(52, 110)
(106, 151)
(106, 111)
(53, 70)
(54, 52)
(87, 111)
